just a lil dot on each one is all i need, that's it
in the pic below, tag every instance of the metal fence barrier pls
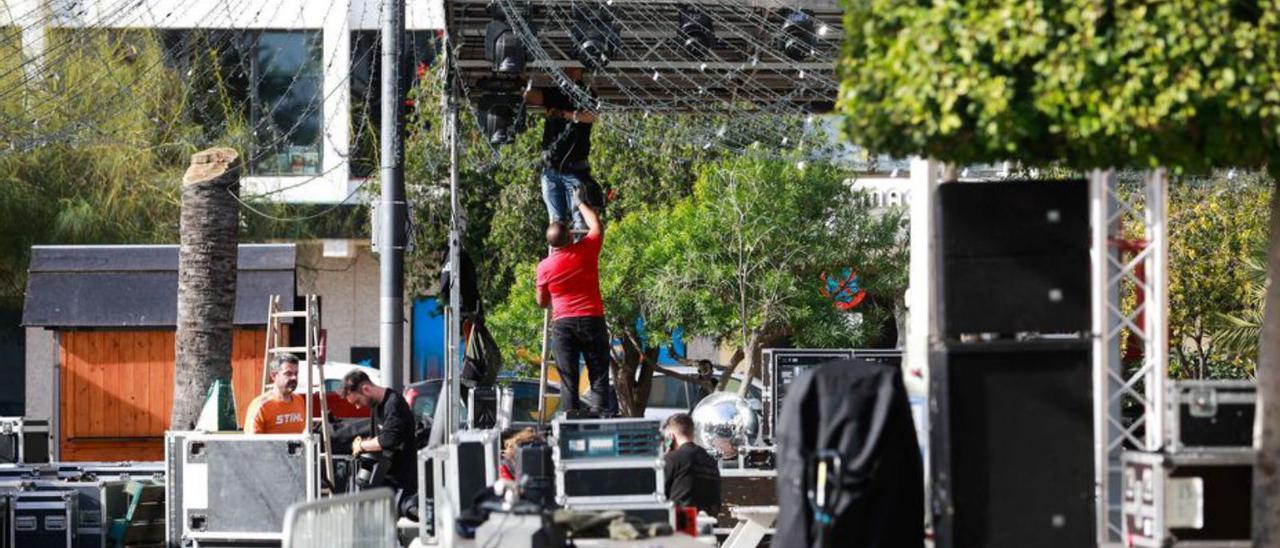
(358, 520)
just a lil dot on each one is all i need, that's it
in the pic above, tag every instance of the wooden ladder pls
(313, 375)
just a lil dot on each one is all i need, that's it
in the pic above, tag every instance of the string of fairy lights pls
(712, 77)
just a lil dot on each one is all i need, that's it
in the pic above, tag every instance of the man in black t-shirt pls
(392, 427)
(566, 146)
(692, 476)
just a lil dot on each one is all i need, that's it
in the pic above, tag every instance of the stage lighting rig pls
(503, 117)
(697, 31)
(596, 34)
(502, 47)
(501, 108)
(798, 40)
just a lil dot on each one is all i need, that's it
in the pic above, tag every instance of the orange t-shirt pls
(269, 414)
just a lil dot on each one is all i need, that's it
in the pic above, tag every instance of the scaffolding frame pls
(1118, 385)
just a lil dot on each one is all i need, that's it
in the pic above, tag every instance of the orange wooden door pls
(117, 390)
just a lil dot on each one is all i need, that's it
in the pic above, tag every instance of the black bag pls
(855, 412)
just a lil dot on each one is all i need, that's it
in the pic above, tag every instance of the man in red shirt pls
(569, 282)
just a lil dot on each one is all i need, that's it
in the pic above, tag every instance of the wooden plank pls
(141, 396)
(76, 373)
(246, 375)
(125, 377)
(66, 401)
(89, 450)
(109, 384)
(97, 374)
(169, 358)
(157, 417)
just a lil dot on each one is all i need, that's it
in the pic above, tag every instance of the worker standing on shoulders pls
(278, 410)
(568, 282)
(566, 146)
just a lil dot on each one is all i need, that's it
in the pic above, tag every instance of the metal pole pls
(454, 329)
(1105, 295)
(542, 377)
(392, 207)
(1157, 305)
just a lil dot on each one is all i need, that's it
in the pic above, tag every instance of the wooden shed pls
(113, 311)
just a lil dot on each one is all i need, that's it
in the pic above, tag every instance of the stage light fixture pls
(596, 35)
(503, 117)
(697, 31)
(798, 41)
(502, 47)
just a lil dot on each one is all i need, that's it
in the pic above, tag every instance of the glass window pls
(424, 403)
(668, 392)
(524, 408)
(287, 97)
(366, 99)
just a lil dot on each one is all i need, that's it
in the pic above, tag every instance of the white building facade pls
(307, 63)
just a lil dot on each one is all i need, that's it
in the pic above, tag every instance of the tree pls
(1185, 84)
(1215, 227)
(679, 266)
(206, 281)
(751, 246)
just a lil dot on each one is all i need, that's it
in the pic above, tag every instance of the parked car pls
(333, 375)
(423, 395)
(670, 395)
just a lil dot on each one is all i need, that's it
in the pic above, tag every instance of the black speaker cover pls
(859, 410)
(1011, 444)
(1014, 257)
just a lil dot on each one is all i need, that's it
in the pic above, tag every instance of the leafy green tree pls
(1186, 84)
(751, 245)
(740, 261)
(1215, 227)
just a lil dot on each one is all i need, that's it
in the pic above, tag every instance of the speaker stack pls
(1011, 380)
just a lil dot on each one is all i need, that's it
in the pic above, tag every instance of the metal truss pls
(1124, 377)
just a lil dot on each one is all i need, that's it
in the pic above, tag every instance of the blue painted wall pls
(427, 345)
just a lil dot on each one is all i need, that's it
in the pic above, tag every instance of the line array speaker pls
(1014, 257)
(1011, 444)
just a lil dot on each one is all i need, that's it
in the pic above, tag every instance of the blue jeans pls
(558, 192)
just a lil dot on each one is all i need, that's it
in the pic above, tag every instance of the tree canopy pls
(1188, 84)
(740, 260)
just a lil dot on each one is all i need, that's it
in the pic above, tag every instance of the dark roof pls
(137, 285)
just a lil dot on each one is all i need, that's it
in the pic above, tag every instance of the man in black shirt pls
(393, 434)
(566, 145)
(692, 476)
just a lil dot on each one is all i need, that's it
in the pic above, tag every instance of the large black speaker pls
(1011, 444)
(1014, 257)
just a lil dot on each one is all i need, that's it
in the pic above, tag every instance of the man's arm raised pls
(592, 218)
(543, 297)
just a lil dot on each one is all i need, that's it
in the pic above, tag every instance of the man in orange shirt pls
(278, 410)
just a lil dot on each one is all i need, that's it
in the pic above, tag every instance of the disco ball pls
(723, 423)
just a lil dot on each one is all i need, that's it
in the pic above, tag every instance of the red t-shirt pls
(572, 275)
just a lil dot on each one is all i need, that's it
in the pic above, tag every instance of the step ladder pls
(277, 343)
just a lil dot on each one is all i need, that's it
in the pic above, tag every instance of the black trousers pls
(582, 339)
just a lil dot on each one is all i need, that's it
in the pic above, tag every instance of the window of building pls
(260, 90)
(366, 91)
(286, 109)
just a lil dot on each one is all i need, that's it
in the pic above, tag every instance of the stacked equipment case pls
(1198, 491)
(611, 464)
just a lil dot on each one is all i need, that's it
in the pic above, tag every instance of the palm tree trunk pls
(206, 280)
(1266, 475)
